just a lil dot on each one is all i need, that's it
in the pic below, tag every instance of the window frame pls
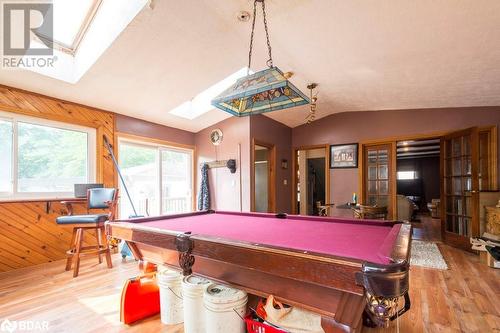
(15, 118)
(84, 27)
(414, 175)
(159, 145)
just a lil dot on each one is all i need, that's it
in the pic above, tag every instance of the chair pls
(97, 198)
(406, 208)
(434, 208)
(370, 212)
(324, 210)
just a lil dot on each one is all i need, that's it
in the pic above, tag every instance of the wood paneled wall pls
(28, 232)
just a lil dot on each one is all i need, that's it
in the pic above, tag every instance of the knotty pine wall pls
(28, 232)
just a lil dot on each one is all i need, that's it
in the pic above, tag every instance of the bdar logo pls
(8, 326)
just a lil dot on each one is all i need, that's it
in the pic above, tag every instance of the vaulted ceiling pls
(365, 55)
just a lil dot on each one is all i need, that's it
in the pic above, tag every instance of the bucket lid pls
(169, 276)
(195, 281)
(220, 294)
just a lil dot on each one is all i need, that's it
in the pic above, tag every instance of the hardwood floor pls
(464, 298)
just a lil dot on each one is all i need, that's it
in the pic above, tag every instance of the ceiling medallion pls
(264, 91)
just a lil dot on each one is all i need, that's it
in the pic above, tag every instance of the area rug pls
(427, 254)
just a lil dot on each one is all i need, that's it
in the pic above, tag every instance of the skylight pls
(83, 30)
(201, 103)
(71, 20)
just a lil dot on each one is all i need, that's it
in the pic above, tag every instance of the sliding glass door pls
(176, 182)
(140, 169)
(159, 179)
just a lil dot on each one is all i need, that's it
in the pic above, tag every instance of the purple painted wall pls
(360, 126)
(225, 186)
(270, 131)
(144, 128)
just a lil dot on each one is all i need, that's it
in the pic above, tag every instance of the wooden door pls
(378, 178)
(460, 187)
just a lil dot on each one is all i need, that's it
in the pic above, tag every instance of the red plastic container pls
(254, 326)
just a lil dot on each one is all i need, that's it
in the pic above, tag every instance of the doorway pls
(311, 180)
(263, 198)
(468, 172)
(418, 185)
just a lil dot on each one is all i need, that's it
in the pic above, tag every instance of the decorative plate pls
(216, 137)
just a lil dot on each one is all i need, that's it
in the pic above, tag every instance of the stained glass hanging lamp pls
(264, 91)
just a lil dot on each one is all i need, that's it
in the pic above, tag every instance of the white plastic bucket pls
(225, 309)
(170, 297)
(193, 288)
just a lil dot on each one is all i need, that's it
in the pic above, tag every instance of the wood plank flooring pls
(464, 298)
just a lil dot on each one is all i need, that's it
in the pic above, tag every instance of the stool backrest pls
(101, 198)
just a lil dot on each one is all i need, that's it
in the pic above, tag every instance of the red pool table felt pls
(364, 240)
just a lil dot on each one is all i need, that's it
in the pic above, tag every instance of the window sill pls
(20, 200)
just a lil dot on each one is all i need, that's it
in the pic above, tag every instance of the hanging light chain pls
(251, 37)
(270, 60)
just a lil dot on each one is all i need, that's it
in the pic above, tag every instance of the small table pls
(348, 205)
(323, 210)
(332, 266)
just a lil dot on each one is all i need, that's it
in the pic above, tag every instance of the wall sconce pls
(312, 104)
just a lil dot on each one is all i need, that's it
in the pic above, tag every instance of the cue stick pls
(110, 150)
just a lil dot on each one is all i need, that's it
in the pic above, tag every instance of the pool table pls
(346, 270)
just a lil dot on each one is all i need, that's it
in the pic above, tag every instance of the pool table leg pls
(135, 250)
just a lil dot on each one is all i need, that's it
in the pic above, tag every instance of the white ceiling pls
(365, 55)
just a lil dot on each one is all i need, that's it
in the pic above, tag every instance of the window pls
(41, 158)
(201, 103)
(83, 31)
(71, 20)
(405, 175)
(159, 178)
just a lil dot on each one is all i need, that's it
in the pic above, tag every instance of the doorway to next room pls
(310, 180)
(418, 184)
(263, 199)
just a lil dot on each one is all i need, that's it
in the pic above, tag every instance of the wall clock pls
(216, 137)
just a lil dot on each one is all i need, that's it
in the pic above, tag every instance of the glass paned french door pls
(460, 160)
(158, 178)
(378, 175)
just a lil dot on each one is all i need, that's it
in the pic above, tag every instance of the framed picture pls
(344, 156)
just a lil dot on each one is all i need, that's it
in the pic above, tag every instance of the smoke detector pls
(243, 16)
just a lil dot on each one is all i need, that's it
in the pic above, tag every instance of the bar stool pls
(97, 198)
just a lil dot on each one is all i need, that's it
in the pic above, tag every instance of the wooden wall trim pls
(28, 232)
(146, 139)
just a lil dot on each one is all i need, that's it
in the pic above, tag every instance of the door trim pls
(294, 172)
